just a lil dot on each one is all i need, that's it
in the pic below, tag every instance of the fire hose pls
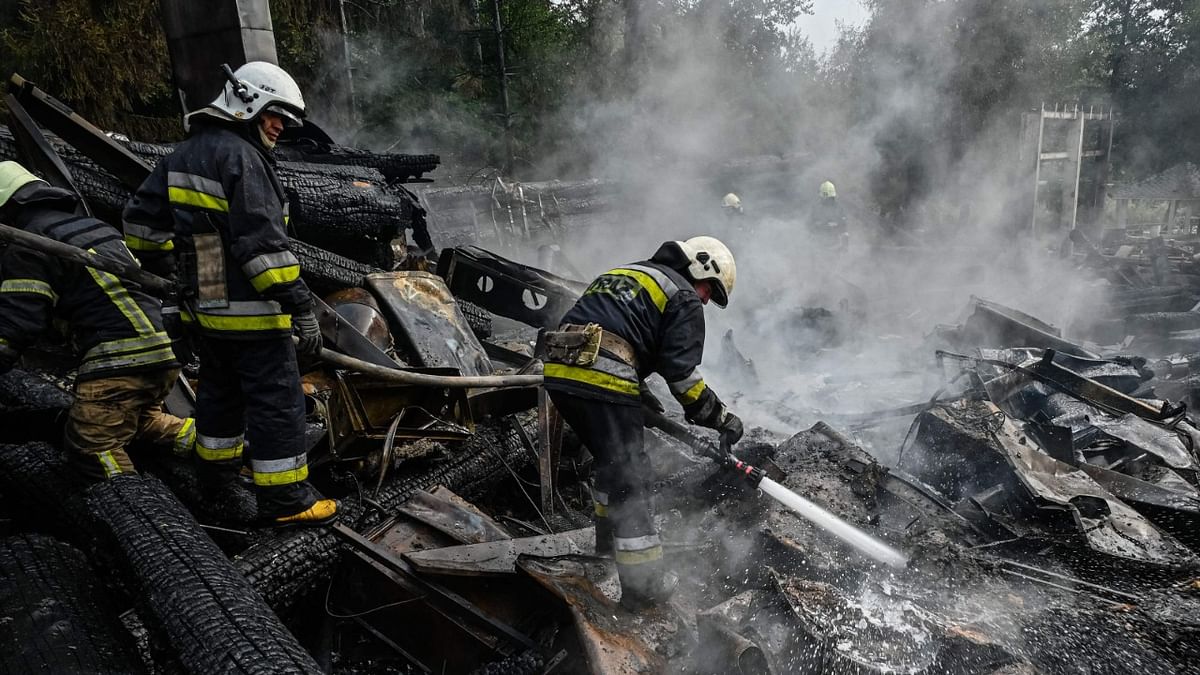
(757, 478)
(425, 380)
(165, 288)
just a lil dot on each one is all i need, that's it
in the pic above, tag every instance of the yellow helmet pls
(13, 177)
(828, 190)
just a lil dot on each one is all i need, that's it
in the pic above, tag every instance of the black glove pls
(308, 330)
(730, 428)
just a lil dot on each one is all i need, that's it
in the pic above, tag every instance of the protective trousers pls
(250, 395)
(613, 434)
(110, 412)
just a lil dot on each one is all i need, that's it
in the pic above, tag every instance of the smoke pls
(828, 331)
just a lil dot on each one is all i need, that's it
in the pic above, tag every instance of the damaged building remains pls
(975, 452)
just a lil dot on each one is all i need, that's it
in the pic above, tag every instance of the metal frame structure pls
(1081, 166)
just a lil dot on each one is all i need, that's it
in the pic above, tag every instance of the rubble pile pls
(1046, 498)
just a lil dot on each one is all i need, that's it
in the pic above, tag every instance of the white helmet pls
(732, 202)
(261, 86)
(710, 259)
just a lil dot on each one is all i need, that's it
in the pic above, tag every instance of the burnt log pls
(58, 617)
(284, 568)
(396, 168)
(348, 210)
(213, 619)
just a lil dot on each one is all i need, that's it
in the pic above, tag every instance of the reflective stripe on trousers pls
(219, 448)
(280, 471)
(638, 550)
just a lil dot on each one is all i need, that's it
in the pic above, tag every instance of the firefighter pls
(731, 205)
(215, 209)
(127, 365)
(828, 220)
(632, 321)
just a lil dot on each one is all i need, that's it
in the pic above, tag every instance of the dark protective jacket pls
(827, 210)
(216, 203)
(656, 310)
(114, 324)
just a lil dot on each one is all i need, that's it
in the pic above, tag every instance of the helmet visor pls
(290, 118)
(719, 295)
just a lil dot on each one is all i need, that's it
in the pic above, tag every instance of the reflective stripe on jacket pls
(655, 310)
(116, 327)
(216, 208)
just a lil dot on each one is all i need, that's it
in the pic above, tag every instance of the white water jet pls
(856, 538)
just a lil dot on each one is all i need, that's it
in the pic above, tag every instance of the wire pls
(523, 491)
(335, 615)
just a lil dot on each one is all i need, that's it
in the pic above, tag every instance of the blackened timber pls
(396, 168)
(348, 210)
(289, 565)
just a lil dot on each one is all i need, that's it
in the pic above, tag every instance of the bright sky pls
(821, 25)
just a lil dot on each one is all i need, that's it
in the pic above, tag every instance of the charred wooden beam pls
(348, 210)
(396, 168)
(285, 567)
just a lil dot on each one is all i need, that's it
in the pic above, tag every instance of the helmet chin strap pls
(262, 136)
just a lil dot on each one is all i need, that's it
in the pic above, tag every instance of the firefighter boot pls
(226, 494)
(643, 587)
(309, 509)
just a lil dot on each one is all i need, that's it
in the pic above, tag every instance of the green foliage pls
(108, 60)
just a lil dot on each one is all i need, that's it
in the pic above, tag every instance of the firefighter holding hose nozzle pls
(632, 321)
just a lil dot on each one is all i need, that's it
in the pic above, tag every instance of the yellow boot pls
(322, 512)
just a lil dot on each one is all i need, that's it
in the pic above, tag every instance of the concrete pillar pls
(203, 35)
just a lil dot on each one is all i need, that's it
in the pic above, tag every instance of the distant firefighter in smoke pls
(633, 321)
(828, 220)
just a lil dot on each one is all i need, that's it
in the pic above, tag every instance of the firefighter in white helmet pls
(731, 204)
(634, 320)
(215, 207)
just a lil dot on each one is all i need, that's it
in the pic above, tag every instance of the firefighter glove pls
(309, 331)
(730, 428)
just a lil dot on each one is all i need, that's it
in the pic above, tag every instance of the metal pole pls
(349, 65)
(498, 27)
(1037, 171)
(1078, 165)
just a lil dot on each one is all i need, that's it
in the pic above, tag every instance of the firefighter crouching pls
(215, 208)
(127, 365)
(632, 321)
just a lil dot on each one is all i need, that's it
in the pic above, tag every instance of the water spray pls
(857, 539)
